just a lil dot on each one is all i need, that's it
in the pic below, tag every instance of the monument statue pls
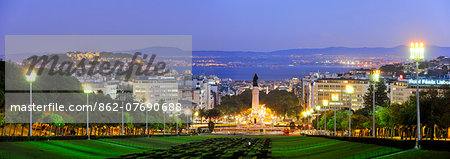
(255, 80)
(255, 101)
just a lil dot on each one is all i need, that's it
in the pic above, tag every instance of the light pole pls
(417, 54)
(164, 132)
(122, 98)
(349, 89)
(304, 116)
(187, 112)
(87, 90)
(375, 77)
(309, 112)
(31, 78)
(325, 105)
(146, 119)
(335, 98)
(317, 118)
(176, 122)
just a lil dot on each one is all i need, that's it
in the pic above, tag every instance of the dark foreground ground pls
(208, 146)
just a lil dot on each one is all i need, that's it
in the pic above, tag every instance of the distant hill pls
(401, 51)
(159, 51)
(431, 52)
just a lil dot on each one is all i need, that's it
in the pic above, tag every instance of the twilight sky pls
(252, 25)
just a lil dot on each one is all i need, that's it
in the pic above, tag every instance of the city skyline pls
(244, 26)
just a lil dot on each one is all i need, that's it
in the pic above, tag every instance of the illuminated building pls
(334, 90)
(155, 89)
(401, 90)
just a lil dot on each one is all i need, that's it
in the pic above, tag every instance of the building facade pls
(334, 90)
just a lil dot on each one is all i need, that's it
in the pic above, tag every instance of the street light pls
(375, 77)
(187, 112)
(146, 118)
(87, 90)
(335, 98)
(349, 89)
(31, 77)
(417, 53)
(196, 115)
(325, 104)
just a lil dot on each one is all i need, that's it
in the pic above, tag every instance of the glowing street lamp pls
(187, 112)
(31, 77)
(374, 78)
(349, 90)
(335, 98)
(87, 90)
(417, 51)
(146, 119)
(325, 104)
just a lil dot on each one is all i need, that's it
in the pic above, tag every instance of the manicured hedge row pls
(213, 148)
(402, 144)
(43, 138)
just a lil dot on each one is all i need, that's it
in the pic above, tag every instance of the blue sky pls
(252, 25)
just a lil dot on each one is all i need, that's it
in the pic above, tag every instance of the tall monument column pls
(255, 100)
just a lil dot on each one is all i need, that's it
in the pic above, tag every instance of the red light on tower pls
(401, 76)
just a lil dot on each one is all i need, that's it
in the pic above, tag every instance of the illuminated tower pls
(255, 99)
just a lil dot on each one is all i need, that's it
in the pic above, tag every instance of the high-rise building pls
(401, 90)
(156, 89)
(334, 90)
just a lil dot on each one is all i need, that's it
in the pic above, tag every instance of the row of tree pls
(16, 81)
(397, 119)
(280, 102)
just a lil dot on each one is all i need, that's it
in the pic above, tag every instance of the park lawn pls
(282, 147)
(62, 149)
(420, 154)
(316, 147)
(157, 142)
(295, 142)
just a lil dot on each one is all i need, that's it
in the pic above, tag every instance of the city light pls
(375, 77)
(87, 88)
(349, 89)
(416, 51)
(31, 77)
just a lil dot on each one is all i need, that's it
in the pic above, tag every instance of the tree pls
(283, 103)
(237, 104)
(381, 98)
(292, 125)
(434, 109)
(394, 69)
(213, 113)
(202, 113)
(211, 126)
